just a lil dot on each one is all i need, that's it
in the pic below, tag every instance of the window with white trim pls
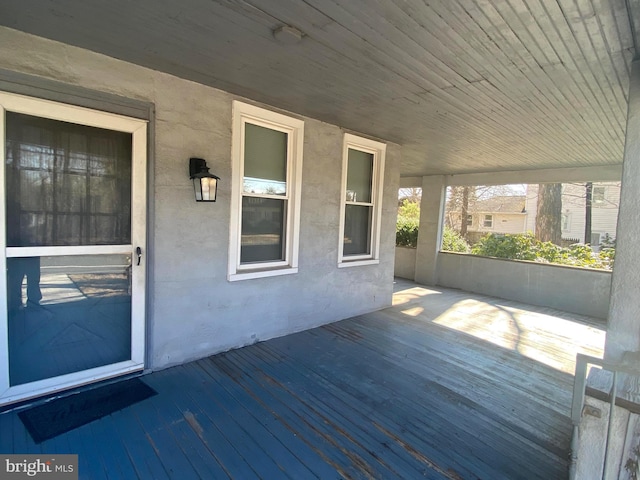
(362, 180)
(488, 221)
(265, 193)
(598, 195)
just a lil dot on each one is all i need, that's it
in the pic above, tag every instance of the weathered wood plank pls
(338, 408)
(383, 395)
(274, 450)
(222, 451)
(270, 422)
(110, 452)
(380, 425)
(158, 433)
(334, 450)
(400, 384)
(145, 460)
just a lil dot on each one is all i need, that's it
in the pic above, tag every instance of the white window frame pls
(378, 150)
(566, 222)
(244, 113)
(484, 221)
(598, 201)
(469, 220)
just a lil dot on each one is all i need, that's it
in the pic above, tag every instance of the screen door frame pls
(93, 118)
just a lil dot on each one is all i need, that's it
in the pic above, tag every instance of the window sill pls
(357, 263)
(235, 277)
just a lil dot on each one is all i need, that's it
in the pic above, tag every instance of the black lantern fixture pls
(205, 184)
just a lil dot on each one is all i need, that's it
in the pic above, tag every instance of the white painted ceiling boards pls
(465, 85)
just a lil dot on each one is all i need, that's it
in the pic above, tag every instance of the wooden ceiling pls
(464, 85)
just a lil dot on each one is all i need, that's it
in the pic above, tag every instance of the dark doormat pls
(64, 414)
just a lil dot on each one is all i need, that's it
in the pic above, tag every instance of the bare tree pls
(588, 196)
(463, 201)
(460, 201)
(581, 195)
(413, 195)
(549, 213)
(577, 196)
(465, 211)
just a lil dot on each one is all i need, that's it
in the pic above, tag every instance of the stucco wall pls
(405, 264)
(570, 289)
(193, 310)
(623, 333)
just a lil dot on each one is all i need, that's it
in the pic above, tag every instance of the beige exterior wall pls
(502, 223)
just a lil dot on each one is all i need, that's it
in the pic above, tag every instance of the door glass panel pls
(66, 184)
(67, 314)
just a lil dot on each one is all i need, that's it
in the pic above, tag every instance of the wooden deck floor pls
(443, 385)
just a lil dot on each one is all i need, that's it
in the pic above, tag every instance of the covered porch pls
(443, 384)
(446, 384)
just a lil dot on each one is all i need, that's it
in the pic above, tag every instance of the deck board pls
(357, 417)
(356, 443)
(437, 410)
(492, 388)
(443, 385)
(288, 450)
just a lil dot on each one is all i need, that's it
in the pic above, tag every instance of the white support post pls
(430, 232)
(623, 331)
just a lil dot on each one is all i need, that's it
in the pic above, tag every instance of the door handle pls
(139, 254)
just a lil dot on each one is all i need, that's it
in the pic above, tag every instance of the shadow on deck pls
(443, 385)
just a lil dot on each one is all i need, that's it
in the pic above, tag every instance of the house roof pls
(502, 204)
(464, 86)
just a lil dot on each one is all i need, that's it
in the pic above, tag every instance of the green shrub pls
(607, 256)
(409, 210)
(407, 224)
(548, 251)
(452, 241)
(406, 232)
(515, 247)
(607, 242)
(526, 247)
(607, 252)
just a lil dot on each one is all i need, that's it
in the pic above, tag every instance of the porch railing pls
(577, 406)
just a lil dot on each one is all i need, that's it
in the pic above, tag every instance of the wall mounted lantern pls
(205, 184)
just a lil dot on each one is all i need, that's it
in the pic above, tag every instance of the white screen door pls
(73, 233)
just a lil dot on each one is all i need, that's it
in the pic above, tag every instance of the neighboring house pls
(604, 211)
(498, 214)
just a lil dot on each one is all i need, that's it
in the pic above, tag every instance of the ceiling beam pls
(605, 173)
(633, 8)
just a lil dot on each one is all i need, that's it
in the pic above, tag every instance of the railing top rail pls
(620, 367)
(580, 379)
